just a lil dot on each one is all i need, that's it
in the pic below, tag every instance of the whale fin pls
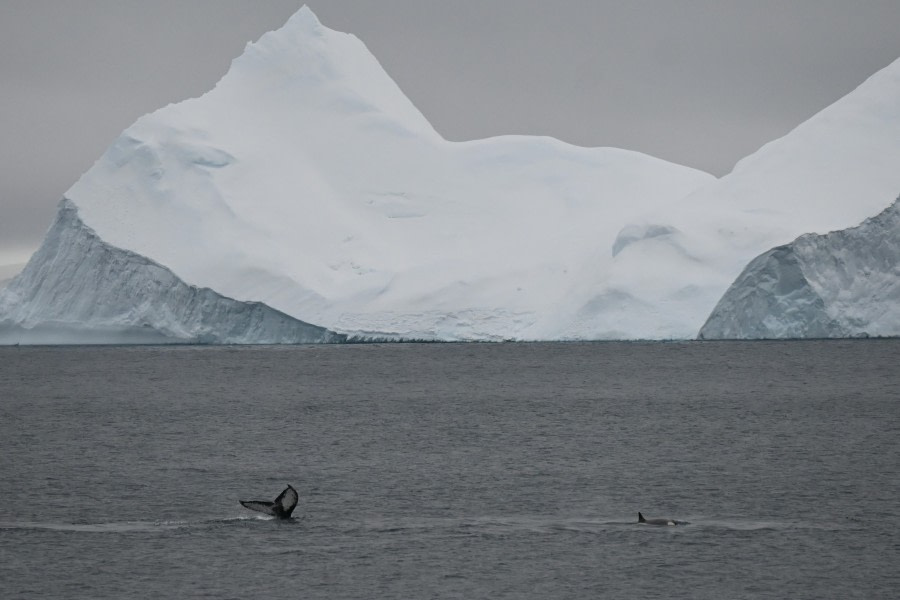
(655, 521)
(282, 507)
(286, 501)
(260, 506)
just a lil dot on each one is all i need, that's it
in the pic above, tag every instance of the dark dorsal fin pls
(641, 518)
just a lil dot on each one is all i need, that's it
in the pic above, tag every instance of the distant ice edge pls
(78, 289)
(836, 285)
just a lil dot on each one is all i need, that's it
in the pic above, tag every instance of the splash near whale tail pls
(282, 507)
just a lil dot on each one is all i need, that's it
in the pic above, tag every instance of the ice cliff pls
(841, 284)
(79, 289)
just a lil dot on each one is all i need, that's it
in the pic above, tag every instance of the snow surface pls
(307, 181)
(79, 289)
(841, 284)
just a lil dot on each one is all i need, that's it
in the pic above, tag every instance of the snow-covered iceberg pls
(307, 183)
(842, 284)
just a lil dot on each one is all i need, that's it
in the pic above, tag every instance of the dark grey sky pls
(698, 82)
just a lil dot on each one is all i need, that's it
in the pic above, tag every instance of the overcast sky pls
(698, 82)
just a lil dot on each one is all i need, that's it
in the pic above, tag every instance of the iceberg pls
(841, 284)
(306, 181)
(305, 192)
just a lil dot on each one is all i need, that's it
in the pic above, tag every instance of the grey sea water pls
(452, 470)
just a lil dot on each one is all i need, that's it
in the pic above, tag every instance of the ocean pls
(452, 470)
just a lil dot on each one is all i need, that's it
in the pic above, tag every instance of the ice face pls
(841, 284)
(79, 289)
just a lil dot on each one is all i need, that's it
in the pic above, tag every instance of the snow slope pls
(79, 289)
(829, 173)
(306, 180)
(841, 284)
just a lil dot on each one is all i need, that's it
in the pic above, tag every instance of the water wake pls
(126, 526)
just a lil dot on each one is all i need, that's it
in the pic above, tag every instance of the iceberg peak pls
(304, 20)
(305, 65)
(301, 30)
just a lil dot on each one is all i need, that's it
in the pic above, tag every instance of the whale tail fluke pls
(286, 501)
(259, 506)
(282, 507)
